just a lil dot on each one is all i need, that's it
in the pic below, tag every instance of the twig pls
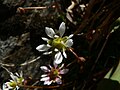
(6, 69)
(23, 9)
(48, 87)
(7, 65)
(31, 61)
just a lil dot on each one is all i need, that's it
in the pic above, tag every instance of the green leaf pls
(112, 79)
(115, 75)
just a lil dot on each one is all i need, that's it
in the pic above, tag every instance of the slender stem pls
(48, 87)
(31, 61)
(78, 58)
(91, 71)
(71, 63)
(32, 8)
(101, 51)
(6, 69)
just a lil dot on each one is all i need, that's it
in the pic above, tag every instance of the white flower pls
(13, 84)
(56, 41)
(53, 74)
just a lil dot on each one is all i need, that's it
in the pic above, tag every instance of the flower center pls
(20, 80)
(54, 74)
(13, 84)
(58, 43)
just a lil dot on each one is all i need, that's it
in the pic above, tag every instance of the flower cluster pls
(14, 83)
(56, 45)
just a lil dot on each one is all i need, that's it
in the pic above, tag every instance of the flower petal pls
(56, 36)
(45, 79)
(62, 29)
(43, 47)
(6, 86)
(50, 67)
(61, 66)
(17, 74)
(64, 54)
(50, 32)
(47, 53)
(58, 58)
(70, 36)
(47, 82)
(45, 69)
(55, 65)
(21, 74)
(64, 71)
(69, 43)
(17, 88)
(44, 75)
(56, 50)
(45, 39)
(14, 78)
(58, 81)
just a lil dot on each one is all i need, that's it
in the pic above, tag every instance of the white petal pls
(55, 65)
(58, 81)
(71, 36)
(17, 74)
(50, 32)
(56, 36)
(14, 78)
(62, 29)
(64, 71)
(43, 47)
(45, 69)
(47, 82)
(6, 86)
(44, 75)
(50, 66)
(47, 53)
(58, 58)
(21, 74)
(56, 50)
(45, 39)
(69, 43)
(45, 79)
(17, 88)
(11, 81)
(61, 66)
(64, 54)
